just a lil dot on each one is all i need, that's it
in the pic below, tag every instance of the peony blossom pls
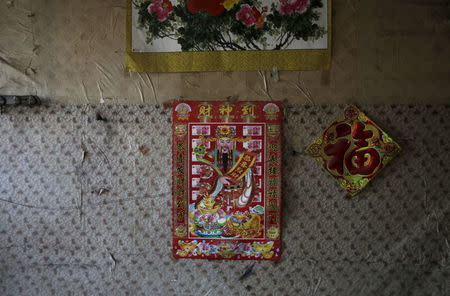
(291, 6)
(245, 15)
(250, 16)
(161, 8)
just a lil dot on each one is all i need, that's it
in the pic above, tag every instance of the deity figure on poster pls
(226, 188)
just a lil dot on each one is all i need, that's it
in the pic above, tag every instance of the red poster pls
(353, 149)
(227, 180)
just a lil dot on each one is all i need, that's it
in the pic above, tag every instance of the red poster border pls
(267, 112)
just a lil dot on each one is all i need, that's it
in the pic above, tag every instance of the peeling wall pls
(73, 52)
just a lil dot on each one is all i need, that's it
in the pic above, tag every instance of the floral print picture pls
(228, 25)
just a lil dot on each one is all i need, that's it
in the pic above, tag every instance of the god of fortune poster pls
(227, 180)
(228, 35)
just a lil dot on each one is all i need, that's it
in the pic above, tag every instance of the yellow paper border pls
(195, 61)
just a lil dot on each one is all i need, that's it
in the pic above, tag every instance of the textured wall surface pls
(72, 51)
(85, 209)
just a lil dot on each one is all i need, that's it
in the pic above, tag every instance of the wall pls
(73, 52)
(85, 211)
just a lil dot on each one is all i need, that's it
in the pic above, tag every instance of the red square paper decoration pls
(353, 149)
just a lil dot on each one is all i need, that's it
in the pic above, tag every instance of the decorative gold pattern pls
(273, 130)
(181, 130)
(273, 232)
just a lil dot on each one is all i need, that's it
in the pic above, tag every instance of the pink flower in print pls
(290, 6)
(300, 6)
(245, 15)
(285, 7)
(162, 9)
(250, 16)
